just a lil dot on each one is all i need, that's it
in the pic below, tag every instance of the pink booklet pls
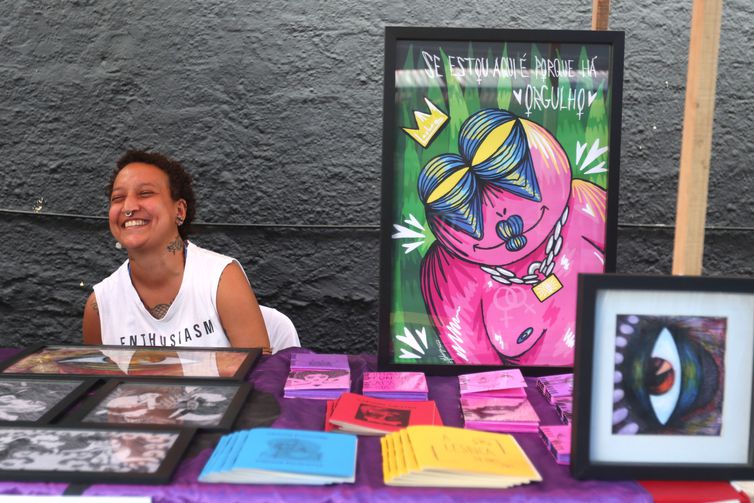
(318, 379)
(394, 383)
(496, 383)
(315, 376)
(499, 414)
(306, 361)
(558, 441)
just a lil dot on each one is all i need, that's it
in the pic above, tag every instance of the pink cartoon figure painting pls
(513, 229)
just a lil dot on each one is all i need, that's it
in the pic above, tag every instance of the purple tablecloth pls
(269, 376)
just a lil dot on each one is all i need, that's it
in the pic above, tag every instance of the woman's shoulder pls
(206, 254)
(114, 278)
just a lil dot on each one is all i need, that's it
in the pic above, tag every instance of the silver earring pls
(128, 213)
(179, 221)
(118, 245)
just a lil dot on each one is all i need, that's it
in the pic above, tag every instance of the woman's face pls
(143, 190)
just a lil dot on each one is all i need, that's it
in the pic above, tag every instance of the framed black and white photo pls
(38, 400)
(208, 405)
(78, 455)
(663, 378)
(133, 361)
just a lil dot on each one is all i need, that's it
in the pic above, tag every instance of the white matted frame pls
(663, 378)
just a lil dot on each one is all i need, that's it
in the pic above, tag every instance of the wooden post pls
(696, 143)
(600, 14)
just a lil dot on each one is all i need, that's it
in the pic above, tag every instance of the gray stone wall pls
(276, 108)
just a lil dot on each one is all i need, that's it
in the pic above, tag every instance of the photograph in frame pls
(91, 454)
(206, 405)
(663, 387)
(38, 400)
(137, 361)
(500, 183)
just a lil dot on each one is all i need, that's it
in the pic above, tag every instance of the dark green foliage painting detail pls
(563, 87)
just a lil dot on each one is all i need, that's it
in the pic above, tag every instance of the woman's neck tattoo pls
(175, 246)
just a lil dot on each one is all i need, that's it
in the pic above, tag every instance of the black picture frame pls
(164, 412)
(92, 362)
(663, 378)
(53, 395)
(77, 454)
(409, 336)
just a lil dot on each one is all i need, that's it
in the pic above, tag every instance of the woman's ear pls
(182, 209)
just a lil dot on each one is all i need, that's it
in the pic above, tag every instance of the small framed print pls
(80, 455)
(663, 378)
(38, 400)
(133, 361)
(208, 405)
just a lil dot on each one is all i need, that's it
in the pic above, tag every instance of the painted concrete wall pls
(276, 109)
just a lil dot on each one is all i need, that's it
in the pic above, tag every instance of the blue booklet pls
(282, 456)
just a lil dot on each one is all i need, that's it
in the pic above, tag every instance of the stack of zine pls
(280, 456)
(496, 401)
(405, 386)
(322, 377)
(440, 456)
(353, 413)
(558, 441)
(499, 414)
(558, 390)
(494, 384)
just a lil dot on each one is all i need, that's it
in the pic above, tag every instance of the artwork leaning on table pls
(501, 157)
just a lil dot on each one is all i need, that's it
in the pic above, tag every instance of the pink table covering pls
(269, 376)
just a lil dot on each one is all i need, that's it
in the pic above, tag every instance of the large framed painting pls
(500, 183)
(132, 361)
(663, 378)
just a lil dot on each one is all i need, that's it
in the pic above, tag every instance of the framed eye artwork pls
(499, 186)
(663, 378)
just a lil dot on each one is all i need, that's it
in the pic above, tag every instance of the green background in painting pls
(433, 70)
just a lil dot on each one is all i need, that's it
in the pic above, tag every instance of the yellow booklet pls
(442, 456)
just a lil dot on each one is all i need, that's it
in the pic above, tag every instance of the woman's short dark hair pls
(178, 178)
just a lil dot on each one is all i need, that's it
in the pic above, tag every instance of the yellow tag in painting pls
(547, 287)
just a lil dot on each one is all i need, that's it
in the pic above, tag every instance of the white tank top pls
(191, 320)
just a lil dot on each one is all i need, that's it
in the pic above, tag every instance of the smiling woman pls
(169, 291)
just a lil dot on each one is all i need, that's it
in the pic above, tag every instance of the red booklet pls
(328, 412)
(354, 413)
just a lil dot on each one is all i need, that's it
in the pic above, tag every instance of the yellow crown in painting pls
(427, 124)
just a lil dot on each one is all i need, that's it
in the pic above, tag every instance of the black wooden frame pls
(252, 355)
(61, 406)
(78, 416)
(162, 475)
(393, 35)
(582, 465)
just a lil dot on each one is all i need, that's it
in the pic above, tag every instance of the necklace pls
(542, 288)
